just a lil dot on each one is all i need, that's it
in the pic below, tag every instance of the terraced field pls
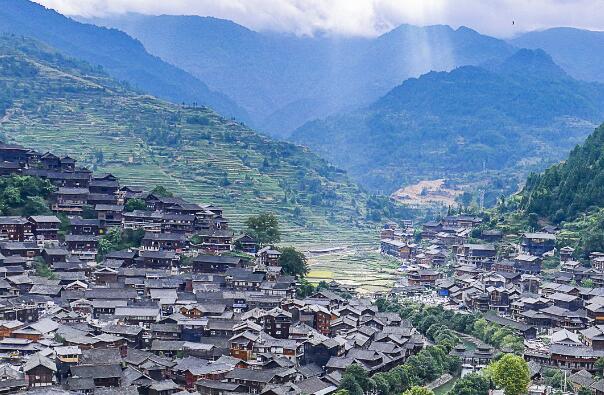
(70, 108)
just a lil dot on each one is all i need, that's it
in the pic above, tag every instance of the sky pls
(500, 18)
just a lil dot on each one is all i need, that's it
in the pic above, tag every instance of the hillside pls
(68, 107)
(491, 123)
(123, 57)
(579, 52)
(287, 80)
(570, 188)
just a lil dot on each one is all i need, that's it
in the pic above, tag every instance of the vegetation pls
(161, 191)
(43, 270)
(471, 384)
(430, 320)
(135, 204)
(565, 190)
(264, 228)
(418, 390)
(511, 373)
(472, 125)
(24, 195)
(293, 262)
(420, 369)
(117, 239)
(68, 107)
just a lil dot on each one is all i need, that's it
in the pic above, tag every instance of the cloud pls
(361, 17)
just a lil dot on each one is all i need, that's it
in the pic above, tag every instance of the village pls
(558, 310)
(197, 308)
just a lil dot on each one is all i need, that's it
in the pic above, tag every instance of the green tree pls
(161, 191)
(35, 205)
(135, 204)
(511, 373)
(599, 366)
(293, 262)
(471, 384)
(418, 390)
(264, 228)
(350, 385)
(466, 199)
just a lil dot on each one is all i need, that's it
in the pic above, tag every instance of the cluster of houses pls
(505, 281)
(176, 315)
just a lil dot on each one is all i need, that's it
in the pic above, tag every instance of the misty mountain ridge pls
(579, 52)
(123, 57)
(284, 80)
(518, 114)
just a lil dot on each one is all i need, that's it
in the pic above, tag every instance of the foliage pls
(419, 369)
(511, 373)
(24, 195)
(117, 239)
(567, 189)
(471, 384)
(418, 390)
(135, 204)
(555, 379)
(293, 262)
(161, 191)
(43, 270)
(430, 321)
(264, 228)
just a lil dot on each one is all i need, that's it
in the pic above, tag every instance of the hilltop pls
(121, 56)
(50, 102)
(496, 122)
(579, 52)
(286, 80)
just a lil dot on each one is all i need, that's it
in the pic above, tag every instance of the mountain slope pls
(579, 52)
(283, 80)
(515, 115)
(66, 106)
(121, 56)
(570, 188)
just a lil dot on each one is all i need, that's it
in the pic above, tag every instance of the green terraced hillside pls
(49, 102)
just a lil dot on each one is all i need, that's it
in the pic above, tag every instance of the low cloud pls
(502, 18)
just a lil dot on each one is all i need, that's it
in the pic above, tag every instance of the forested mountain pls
(55, 103)
(511, 116)
(579, 52)
(284, 80)
(570, 188)
(123, 57)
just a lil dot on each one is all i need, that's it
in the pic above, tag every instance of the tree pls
(293, 262)
(264, 228)
(418, 390)
(135, 204)
(466, 199)
(471, 384)
(350, 385)
(533, 220)
(511, 373)
(35, 205)
(161, 191)
(599, 366)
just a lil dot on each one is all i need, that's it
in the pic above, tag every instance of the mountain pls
(51, 102)
(464, 125)
(123, 57)
(579, 52)
(570, 188)
(284, 80)
(571, 194)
